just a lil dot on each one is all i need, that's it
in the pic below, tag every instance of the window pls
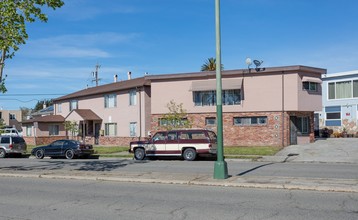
(310, 86)
(110, 101)
(73, 105)
(29, 130)
(303, 125)
(175, 123)
(0, 115)
(260, 120)
(12, 116)
(333, 116)
(132, 97)
(343, 89)
(210, 121)
(208, 98)
(110, 129)
(133, 129)
(53, 130)
(59, 108)
(5, 140)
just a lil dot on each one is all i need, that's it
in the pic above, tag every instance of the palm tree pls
(210, 65)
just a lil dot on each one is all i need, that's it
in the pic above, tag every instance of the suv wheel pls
(2, 153)
(139, 154)
(189, 154)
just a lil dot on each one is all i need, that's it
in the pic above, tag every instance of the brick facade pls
(269, 134)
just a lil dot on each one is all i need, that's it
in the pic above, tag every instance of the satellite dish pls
(258, 63)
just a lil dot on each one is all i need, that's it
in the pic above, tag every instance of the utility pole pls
(95, 74)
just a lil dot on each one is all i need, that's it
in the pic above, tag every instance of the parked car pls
(12, 145)
(63, 148)
(185, 143)
(10, 131)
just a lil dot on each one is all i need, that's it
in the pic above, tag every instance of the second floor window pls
(343, 89)
(59, 108)
(12, 116)
(132, 97)
(208, 98)
(110, 101)
(73, 105)
(310, 86)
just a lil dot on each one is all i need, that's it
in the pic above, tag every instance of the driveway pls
(330, 150)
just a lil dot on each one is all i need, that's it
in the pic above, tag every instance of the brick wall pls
(269, 134)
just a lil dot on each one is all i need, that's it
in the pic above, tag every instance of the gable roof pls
(46, 119)
(103, 89)
(86, 114)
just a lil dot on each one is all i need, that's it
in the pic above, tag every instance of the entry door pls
(97, 128)
(293, 130)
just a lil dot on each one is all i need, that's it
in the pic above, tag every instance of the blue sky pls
(172, 36)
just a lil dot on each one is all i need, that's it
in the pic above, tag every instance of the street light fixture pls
(220, 167)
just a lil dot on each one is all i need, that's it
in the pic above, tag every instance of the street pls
(236, 168)
(36, 199)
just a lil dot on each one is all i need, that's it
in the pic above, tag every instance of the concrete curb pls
(262, 182)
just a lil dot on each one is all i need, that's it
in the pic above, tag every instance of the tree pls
(39, 105)
(14, 14)
(176, 117)
(72, 127)
(210, 65)
(25, 112)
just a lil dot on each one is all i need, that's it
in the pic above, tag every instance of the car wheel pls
(139, 154)
(2, 153)
(189, 154)
(70, 154)
(39, 154)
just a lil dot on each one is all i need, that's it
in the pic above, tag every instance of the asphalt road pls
(37, 199)
(236, 168)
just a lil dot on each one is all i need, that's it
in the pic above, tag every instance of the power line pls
(28, 94)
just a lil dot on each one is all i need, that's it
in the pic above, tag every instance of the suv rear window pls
(17, 140)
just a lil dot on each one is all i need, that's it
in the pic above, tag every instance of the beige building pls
(270, 107)
(12, 118)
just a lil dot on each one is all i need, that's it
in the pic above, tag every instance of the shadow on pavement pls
(268, 164)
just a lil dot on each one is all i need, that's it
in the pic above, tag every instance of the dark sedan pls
(63, 148)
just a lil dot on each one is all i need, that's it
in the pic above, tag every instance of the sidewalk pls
(331, 150)
(264, 182)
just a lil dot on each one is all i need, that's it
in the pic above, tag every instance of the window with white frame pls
(110, 101)
(12, 116)
(174, 123)
(54, 130)
(343, 89)
(29, 130)
(133, 129)
(210, 121)
(73, 105)
(259, 120)
(110, 129)
(59, 108)
(208, 98)
(132, 97)
(333, 116)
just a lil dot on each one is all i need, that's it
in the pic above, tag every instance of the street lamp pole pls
(220, 167)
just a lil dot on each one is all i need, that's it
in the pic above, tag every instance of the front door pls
(293, 130)
(97, 128)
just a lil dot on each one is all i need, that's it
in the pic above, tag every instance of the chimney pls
(115, 78)
(129, 75)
